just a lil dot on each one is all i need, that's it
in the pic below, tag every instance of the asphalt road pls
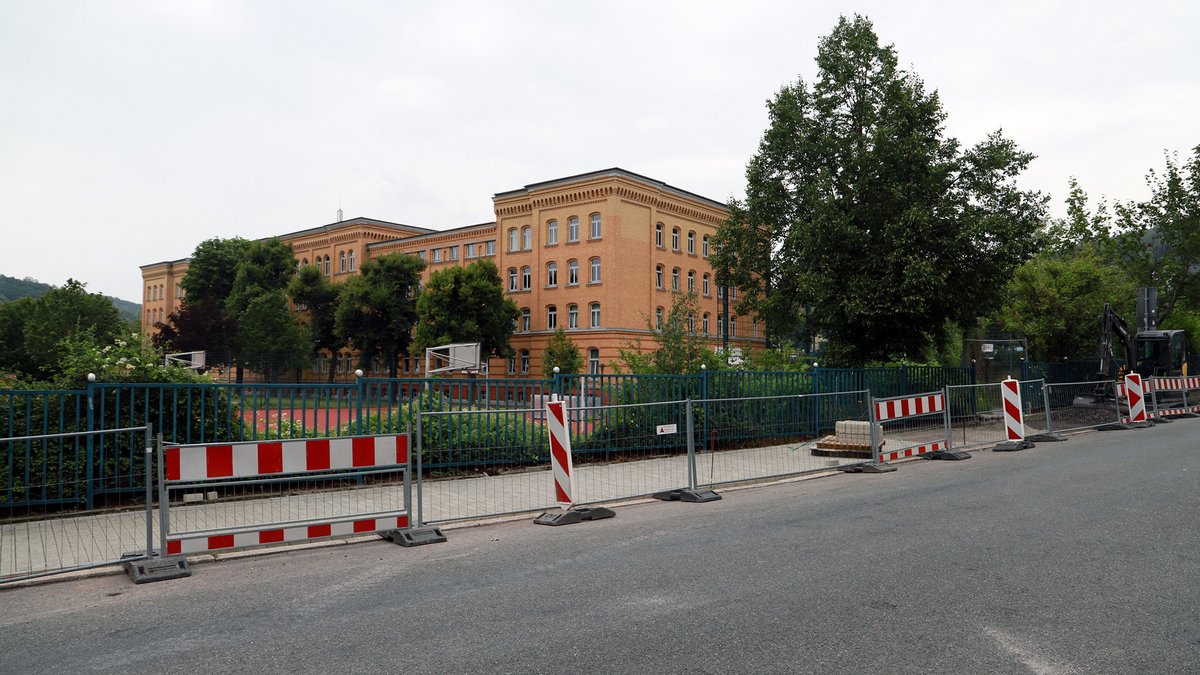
(1076, 557)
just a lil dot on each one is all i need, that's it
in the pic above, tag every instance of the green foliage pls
(562, 352)
(318, 296)
(269, 341)
(466, 304)
(1055, 300)
(377, 308)
(33, 330)
(679, 349)
(858, 206)
(130, 358)
(786, 357)
(213, 268)
(1189, 321)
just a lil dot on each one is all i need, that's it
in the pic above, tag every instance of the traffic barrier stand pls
(562, 469)
(1014, 422)
(919, 423)
(286, 491)
(690, 494)
(1174, 405)
(1136, 397)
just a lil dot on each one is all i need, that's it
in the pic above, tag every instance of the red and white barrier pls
(560, 452)
(245, 460)
(1137, 399)
(899, 408)
(213, 543)
(1014, 424)
(913, 451)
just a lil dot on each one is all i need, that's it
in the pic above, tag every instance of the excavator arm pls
(1112, 325)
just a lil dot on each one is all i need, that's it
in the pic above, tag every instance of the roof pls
(354, 221)
(432, 234)
(615, 172)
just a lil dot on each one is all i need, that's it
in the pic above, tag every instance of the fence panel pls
(46, 472)
(751, 438)
(911, 426)
(1078, 406)
(33, 544)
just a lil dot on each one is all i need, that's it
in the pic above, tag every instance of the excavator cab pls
(1161, 352)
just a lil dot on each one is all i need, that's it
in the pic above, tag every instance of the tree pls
(203, 321)
(14, 316)
(858, 206)
(1055, 302)
(377, 309)
(269, 342)
(562, 352)
(466, 304)
(316, 299)
(679, 349)
(260, 278)
(32, 331)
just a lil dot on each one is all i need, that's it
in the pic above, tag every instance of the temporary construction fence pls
(1169, 396)
(36, 544)
(1080, 406)
(910, 426)
(977, 413)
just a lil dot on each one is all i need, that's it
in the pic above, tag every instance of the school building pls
(598, 254)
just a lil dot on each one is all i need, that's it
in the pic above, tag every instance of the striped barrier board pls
(1014, 423)
(245, 460)
(1135, 392)
(910, 406)
(188, 544)
(560, 452)
(914, 451)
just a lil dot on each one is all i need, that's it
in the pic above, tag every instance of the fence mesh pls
(1076, 406)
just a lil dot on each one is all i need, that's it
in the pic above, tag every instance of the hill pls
(12, 288)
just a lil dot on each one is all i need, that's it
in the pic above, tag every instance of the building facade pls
(598, 254)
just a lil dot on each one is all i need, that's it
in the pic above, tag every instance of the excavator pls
(1161, 353)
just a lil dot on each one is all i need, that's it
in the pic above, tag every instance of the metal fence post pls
(164, 506)
(691, 446)
(874, 432)
(420, 479)
(1153, 385)
(1046, 403)
(149, 438)
(946, 418)
(408, 482)
(358, 402)
(91, 452)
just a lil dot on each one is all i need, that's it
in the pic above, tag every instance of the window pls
(594, 361)
(658, 316)
(704, 285)
(691, 281)
(525, 278)
(691, 243)
(674, 238)
(525, 319)
(594, 275)
(551, 232)
(573, 228)
(733, 292)
(691, 323)
(675, 279)
(524, 361)
(551, 317)
(704, 323)
(720, 324)
(732, 326)
(328, 271)
(595, 308)
(572, 316)
(754, 328)
(421, 255)
(437, 255)
(472, 250)
(342, 261)
(512, 365)
(572, 272)
(658, 235)
(595, 233)
(526, 238)
(658, 277)
(351, 261)
(453, 253)
(489, 247)
(512, 239)
(551, 275)
(512, 279)
(705, 246)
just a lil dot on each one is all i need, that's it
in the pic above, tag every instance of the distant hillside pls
(12, 288)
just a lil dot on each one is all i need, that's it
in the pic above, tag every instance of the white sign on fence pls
(664, 429)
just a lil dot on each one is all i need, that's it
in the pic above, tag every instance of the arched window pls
(551, 232)
(551, 275)
(512, 365)
(733, 326)
(595, 220)
(512, 279)
(658, 277)
(691, 323)
(691, 281)
(594, 266)
(351, 261)
(526, 278)
(525, 319)
(675, 278)
(705, 285)
(328, 269)
(674, 238)
(527, 238)
(691, 243)
(658, 317)
(572, 316)
(658, 235)
(573, 228)
(342, 261)
(551, 317)
(572, 272)
(595, 311)
(705, 246)
(304, 262)
(704, 323)
(513, 242)
(524, 361)
(594, 361)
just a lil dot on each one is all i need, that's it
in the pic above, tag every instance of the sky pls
(132, 131)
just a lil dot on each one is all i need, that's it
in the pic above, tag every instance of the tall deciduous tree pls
(466, 304)
(859, 206)
(270, 341)
(316, 299)
(203, 321)
(34, 330)
(260, 278)
(563, 353)
(377, 309)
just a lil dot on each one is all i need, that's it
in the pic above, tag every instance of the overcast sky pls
(131, 131)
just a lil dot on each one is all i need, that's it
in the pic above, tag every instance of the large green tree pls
(270, 342)
(860, 207)
(316, 299)
(466, 304)
(203, 321)
(378, 308)
(33, 331)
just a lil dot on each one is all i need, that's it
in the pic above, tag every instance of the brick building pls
(598, 254)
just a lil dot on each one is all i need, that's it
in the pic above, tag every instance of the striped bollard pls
(563, 470)
(1135, 393)
(1014, 424)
